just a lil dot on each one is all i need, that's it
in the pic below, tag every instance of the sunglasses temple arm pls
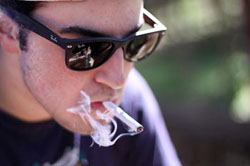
(36, 27)
(153, 20)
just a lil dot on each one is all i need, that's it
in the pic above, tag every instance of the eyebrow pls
(77, 30)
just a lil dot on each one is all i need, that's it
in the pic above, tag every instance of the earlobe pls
(9, 44)
(8, 35)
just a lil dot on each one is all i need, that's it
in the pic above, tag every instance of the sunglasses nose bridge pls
(123, 45)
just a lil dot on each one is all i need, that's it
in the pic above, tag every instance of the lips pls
(97, 106)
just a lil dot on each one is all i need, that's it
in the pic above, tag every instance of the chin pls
(73, 123)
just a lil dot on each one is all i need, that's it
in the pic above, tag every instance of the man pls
(43, 69)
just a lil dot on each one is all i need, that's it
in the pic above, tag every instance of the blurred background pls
(201, 77)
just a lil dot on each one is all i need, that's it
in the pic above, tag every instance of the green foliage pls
(198, 59)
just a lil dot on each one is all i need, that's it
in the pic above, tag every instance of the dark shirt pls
(33, 144)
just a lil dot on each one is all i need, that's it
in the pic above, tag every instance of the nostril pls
(113, 80)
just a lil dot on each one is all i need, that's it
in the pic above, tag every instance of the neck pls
(15, 98)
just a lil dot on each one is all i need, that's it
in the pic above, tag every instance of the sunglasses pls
(89, 53)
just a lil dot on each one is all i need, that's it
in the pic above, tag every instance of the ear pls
(8, 35)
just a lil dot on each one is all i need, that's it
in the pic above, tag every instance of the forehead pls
(111, 17)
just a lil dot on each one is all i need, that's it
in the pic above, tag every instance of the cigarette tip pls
(140, 129)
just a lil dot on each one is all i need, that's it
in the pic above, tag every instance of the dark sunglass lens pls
(89, 55)
(141, 46)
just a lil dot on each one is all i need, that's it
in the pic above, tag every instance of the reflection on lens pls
(82, 57)
(89, 55)
(141, 46)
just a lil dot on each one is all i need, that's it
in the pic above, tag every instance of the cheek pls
(46, 75)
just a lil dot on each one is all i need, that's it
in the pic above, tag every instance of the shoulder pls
(140, 102)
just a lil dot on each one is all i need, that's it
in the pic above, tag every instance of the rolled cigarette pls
(124, 117)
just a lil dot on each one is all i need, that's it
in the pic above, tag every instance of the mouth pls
(99, 106)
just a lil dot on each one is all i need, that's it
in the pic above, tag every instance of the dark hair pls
(24, 7)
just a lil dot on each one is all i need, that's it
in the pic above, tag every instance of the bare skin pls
(36, 85)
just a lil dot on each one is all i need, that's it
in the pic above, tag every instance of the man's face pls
(56, 87)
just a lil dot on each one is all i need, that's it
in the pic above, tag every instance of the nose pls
(111, 73)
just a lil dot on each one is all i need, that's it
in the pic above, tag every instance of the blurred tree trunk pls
(247, 21)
